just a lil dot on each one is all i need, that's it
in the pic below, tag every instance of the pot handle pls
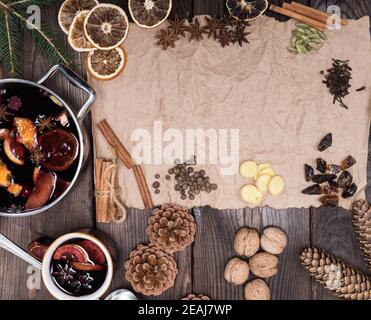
(77, 82)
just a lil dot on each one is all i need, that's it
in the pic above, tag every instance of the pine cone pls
(150, 270)
(340, 278)
(193, 296)
(362, 226)
(171, 227)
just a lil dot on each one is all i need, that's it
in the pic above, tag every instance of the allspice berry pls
(236, 271)
(273, 240)
(264, 265)
(246, 242)
(257, 290)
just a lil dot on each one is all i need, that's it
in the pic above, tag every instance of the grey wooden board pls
(201, 265)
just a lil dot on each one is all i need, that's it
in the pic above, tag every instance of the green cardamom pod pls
(292, 49)
(305, 38)
(301, 30)
(322, 34)
(296, 33)
(302, 25)
(293, 41)
(314, 30)
(314, 45)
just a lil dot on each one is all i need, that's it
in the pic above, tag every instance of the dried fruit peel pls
(251, 194)
(76, 35)
(248, 169)
(276, 185)
(26, 133)
(15, 189)
(262, 182)
(5, 175)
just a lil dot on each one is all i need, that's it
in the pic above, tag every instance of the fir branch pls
(47, 41)
(10, 44)
(33, 2)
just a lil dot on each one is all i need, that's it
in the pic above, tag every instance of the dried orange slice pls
(76, 36)
(106, 64)
(70, 8)
(149, 13)
(106, 26)
(246, 10)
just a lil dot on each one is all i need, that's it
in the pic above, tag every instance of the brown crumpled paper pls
(277, 101)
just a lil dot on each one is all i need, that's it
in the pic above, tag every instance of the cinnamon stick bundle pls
(299, 17)
(310, 12)
(102, 190)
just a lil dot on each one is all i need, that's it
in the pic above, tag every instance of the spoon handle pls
(13, 248)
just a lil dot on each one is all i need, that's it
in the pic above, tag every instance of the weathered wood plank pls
(332, 231)
(291, 282)
(214, 247)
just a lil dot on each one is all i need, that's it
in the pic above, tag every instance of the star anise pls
(4, 113)
(82, 280)
(178, 26)
(64, 274)
(196, 31)
(239, 35)
(37, 156)
(233, 22)
(213, 25)
(44, 123)
(225, 37)
(167, 38)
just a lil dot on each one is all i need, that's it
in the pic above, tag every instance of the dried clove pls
(338, 79)
(325, 143)
(361, 89)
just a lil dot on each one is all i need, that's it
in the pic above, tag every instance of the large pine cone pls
(340, 278)
(172, 227)
(150, 270)
(362, 226)
(193, 296)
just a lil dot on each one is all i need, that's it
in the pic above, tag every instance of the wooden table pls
(200, 265)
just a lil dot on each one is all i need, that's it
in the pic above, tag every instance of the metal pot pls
(77, 119)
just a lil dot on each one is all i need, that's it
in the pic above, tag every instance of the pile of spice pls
(224, 30)
(337, 80)
(327, 183)
(187, 179)
(306, 38)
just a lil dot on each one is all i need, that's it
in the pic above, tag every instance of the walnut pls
(264, 264)
(273, 240)
(246, 242)
(257, 290)
(236, 271)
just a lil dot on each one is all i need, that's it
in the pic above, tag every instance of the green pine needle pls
(10, 44)
(14, 20)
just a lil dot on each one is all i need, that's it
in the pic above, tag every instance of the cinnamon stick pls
(312, 22)
(98, 186)
(102, 191)
(311, 12)
(105, 199)
(115, 143)
(143, 187)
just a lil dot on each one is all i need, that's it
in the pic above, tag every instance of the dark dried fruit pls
(349, 191)
(321, 165)
(15, 103)
(313, 189)
(347, 162)
(334, 186)
(325, 143)
(325, 177)
(333, 169)
(309, 172)
(330, 200)
(345, 179)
